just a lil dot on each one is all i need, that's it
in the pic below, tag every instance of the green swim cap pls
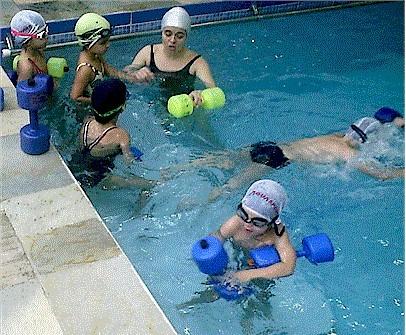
(90, 28)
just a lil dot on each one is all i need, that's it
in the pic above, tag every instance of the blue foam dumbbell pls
(1, 99)
(316, 248)
(32, 94)
(210, 256)
(137, 153)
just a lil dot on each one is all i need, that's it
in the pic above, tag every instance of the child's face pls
(248, 226)
(101, 46)
(38, 43)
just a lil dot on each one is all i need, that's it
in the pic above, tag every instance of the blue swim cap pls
(386, 114)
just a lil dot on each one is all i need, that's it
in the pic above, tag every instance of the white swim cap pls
(359, 130)
(26, 23)
(176, 17)
(266, 197)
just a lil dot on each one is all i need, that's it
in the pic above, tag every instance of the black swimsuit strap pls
(85, 131)
(97, 140)
(188, 65)
(185, 68)
(90, 146)
(152, 57)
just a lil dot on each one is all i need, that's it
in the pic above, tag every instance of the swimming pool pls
(284, 78)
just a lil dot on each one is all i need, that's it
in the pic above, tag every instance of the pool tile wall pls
(125, 23)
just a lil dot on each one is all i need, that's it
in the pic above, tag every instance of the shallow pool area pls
(285, 78)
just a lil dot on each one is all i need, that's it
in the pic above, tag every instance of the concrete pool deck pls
(61, 270)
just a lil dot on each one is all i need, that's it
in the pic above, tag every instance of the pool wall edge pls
(62, 270)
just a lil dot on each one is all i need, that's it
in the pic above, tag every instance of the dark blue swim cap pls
(108, 95)
(386, 114)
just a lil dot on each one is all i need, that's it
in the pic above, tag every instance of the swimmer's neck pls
(179, 54)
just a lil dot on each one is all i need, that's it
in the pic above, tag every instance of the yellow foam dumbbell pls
(182, 105)
(57, 67)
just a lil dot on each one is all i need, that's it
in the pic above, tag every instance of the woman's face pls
(173, 38)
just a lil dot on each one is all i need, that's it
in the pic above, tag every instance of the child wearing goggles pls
(30, 31)
(101, 140)
(93, 33)
(257, 223)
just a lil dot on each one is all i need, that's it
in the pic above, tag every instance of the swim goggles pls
(116, 110)
(42, 34)
(259, 222)
(90, 38)
(360, 133)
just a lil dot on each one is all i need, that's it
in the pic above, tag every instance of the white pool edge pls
(62, 272)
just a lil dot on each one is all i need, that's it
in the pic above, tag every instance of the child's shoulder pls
(84, 58)
(120, 134)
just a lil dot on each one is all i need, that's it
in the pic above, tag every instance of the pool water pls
(284, 78)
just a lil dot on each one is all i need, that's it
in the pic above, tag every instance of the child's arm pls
(83, 77)
(377, 171)
(24, 69)
(253, 171)
(284, 268)
(143, 75)
(123, 139)
(227, 230)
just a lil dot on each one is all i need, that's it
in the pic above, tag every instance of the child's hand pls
(241, 276)
(143, 75)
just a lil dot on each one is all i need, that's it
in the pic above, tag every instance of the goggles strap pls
(277, 231)
(111, 112)
(360, 133)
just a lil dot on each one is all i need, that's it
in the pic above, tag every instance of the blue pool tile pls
(149, 20)
(61, 26)
(119, 19)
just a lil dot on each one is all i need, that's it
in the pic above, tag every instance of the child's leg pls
(114, 182)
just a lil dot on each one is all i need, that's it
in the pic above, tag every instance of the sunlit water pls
(284, 78)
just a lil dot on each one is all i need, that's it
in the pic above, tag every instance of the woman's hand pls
(196, 96)
(143, 75)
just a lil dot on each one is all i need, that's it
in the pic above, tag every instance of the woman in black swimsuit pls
(174, 65)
